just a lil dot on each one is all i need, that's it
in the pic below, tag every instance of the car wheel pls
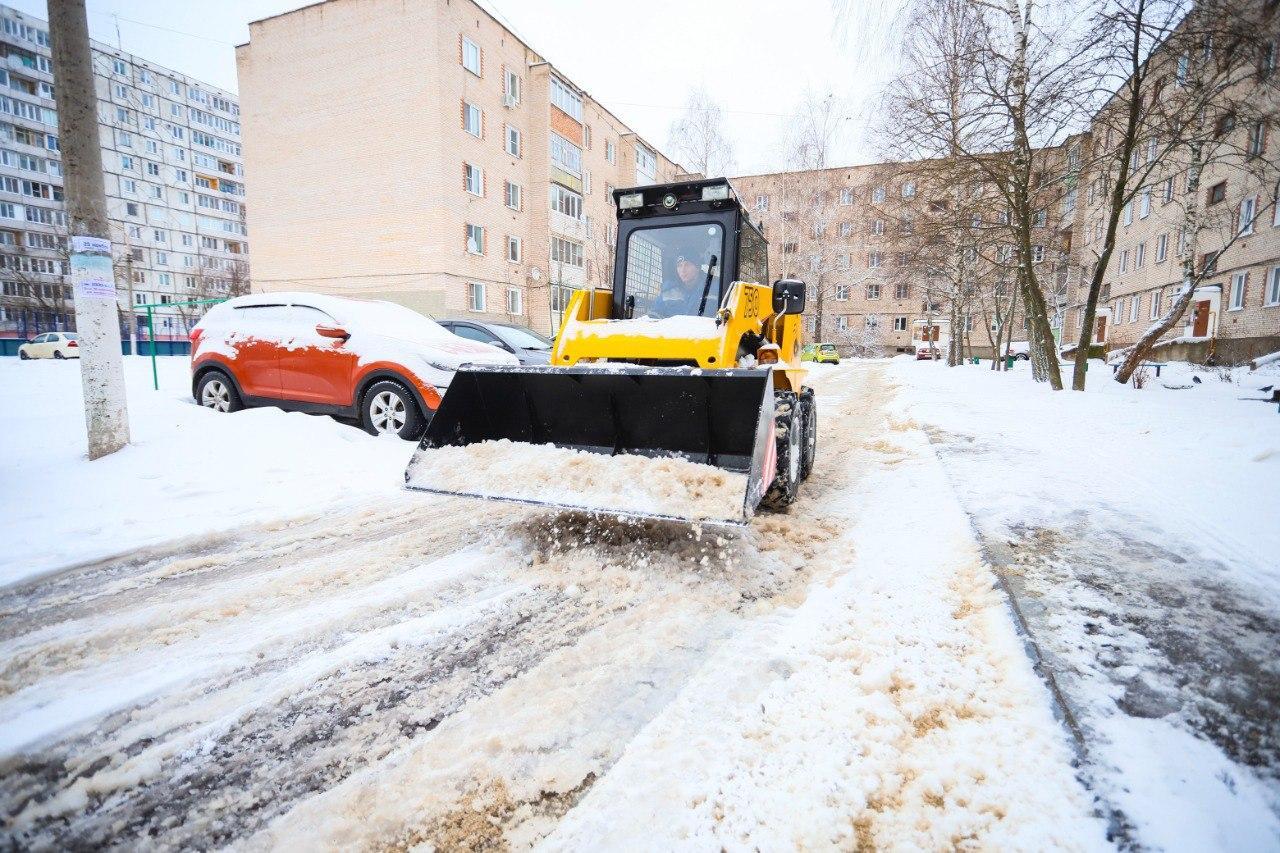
(388, 408)
(58, 355)
(787, 424)
(22, 354)
(216, 391)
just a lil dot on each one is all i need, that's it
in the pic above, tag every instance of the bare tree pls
(698, 139)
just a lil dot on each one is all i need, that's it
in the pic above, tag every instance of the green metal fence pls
(151, 328)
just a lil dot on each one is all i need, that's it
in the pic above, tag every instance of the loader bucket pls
(656, 442)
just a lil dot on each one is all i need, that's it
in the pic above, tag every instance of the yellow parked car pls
(821, 353)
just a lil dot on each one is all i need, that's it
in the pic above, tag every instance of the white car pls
(51, 345)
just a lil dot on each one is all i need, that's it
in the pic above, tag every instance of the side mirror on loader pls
(788, 296)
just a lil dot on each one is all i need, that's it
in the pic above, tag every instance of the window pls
(568, 156)
(126, 162)
(1155, 303)
(1168, 190)
(1218, 192)
(1139, 256)
(842, 292)
(1124, 260)
(566, 252)
(1237, 290)
(153, 169)
(565, 98)
(566, 201)
(1144, 205)
(909, 189)
(873, 291)
(513, 196)
(877, 227)
(1184, 65)
(1038, 219)
(1257, 139)
(473, 179)
(1128, 213)
(513, 141)
(873, 322)
(877, 195)
(1273, 287)
(119, 67)
(157, 192)
(513, 249)
(1162, 248)
(646, 165)
(902, 291)
(842, 323)
(874, 259)
(1119, 312)
(611, 154)
(1037, 253)
(476, 301)
(846, 229)
(475, 240)
(515, 301)
(1134, 308)
(899, 324)
(762, 202)
(1248, 213)
(846, 196)
(511, 87)
(159, 235)
(471, 60)
(472, 119)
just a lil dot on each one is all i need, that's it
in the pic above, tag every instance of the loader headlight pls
(669, 201)
(720, 192)
(631, 200)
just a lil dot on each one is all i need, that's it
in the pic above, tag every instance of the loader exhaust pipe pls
(721, 420)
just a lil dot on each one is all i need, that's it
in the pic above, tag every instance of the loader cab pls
(679, 248)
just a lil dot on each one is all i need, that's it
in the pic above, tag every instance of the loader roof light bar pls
(660, 199)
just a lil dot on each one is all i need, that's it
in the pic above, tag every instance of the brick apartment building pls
(858, 236)
(173, 178)
(422, 153)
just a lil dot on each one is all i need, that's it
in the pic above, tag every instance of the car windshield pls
(522, 338)
(675, 270)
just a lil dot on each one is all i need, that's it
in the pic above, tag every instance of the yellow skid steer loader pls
(678, 393)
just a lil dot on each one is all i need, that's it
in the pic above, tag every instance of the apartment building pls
(1235, 311)
(423, 153)
(860, 237)
(174, 181)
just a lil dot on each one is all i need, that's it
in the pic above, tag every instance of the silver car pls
(527, 345)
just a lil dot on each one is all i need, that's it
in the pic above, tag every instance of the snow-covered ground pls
(1138, 531)
(424, 670)
(188, 472)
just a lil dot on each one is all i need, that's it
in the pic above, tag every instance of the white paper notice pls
(93, 277)
(90, 244)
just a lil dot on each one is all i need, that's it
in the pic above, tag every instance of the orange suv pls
(380, 363)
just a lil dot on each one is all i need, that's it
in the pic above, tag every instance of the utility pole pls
(106, 414)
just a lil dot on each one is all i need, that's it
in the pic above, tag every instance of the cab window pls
(753, 256)
(675, 270)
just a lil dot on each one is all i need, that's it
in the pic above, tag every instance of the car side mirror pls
(788, 296)
(324, 330)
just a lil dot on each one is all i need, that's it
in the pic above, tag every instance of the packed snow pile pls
(625, 484)
(188, 471)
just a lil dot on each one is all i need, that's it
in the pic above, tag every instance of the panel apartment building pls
(421, 152)
(174, 181)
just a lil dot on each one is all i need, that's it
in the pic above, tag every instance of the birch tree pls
(698, 138)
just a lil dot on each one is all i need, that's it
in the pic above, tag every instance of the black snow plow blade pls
(682, 444)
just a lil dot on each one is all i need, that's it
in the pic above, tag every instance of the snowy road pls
(431, 670)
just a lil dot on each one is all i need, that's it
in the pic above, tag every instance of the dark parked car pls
(528, 346)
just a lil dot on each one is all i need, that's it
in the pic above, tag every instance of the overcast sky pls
(755, 58)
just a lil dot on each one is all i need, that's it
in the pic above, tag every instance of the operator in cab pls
(692, 289)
